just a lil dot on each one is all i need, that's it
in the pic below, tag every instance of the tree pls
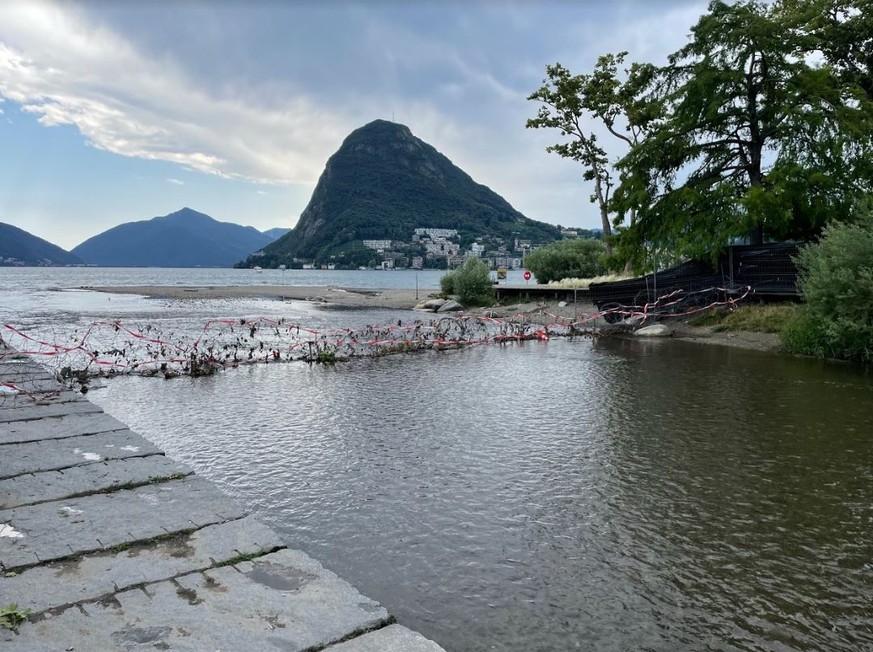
(582, 258)
(842, 32)
(752, 141)
(471, 283)
(569, 102)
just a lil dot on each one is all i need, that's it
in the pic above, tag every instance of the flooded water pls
(604, 494)
(592, 495)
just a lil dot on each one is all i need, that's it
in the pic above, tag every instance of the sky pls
(114, 111)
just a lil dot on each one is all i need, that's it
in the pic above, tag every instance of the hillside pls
(185, 238)
(383, 183)
(275, 234)
(18, 247)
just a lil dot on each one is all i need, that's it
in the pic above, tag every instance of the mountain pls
(18, 247)
(382, 184)
(185, 238)
(275, 234)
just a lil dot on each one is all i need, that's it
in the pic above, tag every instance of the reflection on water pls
(606, 495)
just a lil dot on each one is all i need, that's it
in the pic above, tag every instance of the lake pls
(606, 494)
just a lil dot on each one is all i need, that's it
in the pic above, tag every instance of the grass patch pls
(756, 318)
(11, 616)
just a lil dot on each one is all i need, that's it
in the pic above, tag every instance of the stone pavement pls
(110, 545)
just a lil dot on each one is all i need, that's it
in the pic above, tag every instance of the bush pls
(582, 258)
(470, 282)
(836, 281)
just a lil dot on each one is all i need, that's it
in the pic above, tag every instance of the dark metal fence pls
(761, 271)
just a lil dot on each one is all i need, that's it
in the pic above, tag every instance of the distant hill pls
(275, 234)
(18, 247)
(383, 183)
(185, 238)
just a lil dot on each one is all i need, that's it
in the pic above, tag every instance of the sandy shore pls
(343, 297)
(402, 299)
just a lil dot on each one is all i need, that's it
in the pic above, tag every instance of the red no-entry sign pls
(526, 275)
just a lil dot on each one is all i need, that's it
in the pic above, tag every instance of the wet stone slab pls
(44, 486)
(225, 608)
(58, 427)
(52, 454)
(94, 576)
(393, 637)
(33, 384)
(35, 411)
(59, 529)
(33, 398)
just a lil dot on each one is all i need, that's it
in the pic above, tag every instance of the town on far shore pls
(435, 248)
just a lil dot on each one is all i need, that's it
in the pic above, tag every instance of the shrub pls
(582, 258)
(836, 281)
(470, 282)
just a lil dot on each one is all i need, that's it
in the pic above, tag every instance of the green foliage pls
(11, 616)
(757, 318)
(754, 139)
(582, 258)
(836, 281)
(471, 283)
(569, 102)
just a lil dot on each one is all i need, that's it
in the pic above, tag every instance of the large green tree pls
(755, 140)
(576, 104)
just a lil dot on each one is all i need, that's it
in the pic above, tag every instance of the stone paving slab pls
(55, 530)
(44, 486)
(283, 601)
(35, 411)
(10, 365)
(92, 577)
(37, 385)
(393, 637)
(37, 399)
(58, 427)
(53, 454)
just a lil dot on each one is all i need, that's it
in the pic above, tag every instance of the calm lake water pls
(603, 494)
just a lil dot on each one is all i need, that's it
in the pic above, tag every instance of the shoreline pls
(352, 298)
(406, 299)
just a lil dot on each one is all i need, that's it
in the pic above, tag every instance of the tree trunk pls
(604, 214)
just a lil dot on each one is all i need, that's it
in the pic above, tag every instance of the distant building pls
(436, 233)
(417, 262)
(378, 245)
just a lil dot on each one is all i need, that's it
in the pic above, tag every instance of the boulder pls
(655, 330)
(422, 307)
(434, 304)
(450, 306)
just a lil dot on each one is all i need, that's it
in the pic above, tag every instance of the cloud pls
(67, 71)
(176, 181)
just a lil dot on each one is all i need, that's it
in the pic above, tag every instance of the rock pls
(450, 306)
(434, 304)
(422, 307)
(562, 304)
(655, 330)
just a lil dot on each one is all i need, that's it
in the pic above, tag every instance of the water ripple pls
(606, 495)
